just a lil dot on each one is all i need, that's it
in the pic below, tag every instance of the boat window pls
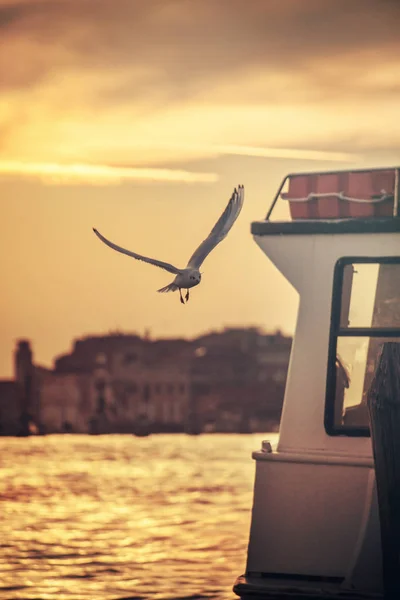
(370, 295)
(365, 315)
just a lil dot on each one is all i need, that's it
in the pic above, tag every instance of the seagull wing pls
(220, 229)
(151, 261)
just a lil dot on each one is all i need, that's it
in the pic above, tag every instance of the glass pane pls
(356, 361)
(371, 295)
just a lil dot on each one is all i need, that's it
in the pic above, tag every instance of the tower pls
(24, 378)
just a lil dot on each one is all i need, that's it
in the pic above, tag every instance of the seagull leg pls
(180, 296)
(187, 295)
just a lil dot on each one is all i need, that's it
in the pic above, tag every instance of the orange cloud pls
(53, 173)
(152, 84)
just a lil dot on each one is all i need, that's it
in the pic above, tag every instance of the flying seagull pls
(190, 276)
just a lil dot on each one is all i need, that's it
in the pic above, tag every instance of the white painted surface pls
(308, 262)
(306, 517)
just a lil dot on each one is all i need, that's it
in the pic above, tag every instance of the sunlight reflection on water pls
(118, 517)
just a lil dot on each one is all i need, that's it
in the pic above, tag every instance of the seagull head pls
(195, 276)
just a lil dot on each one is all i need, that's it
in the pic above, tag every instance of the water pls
(118, 517)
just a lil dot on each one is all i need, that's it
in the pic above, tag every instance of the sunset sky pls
(139, 117)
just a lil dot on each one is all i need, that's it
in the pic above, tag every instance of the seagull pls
(190, 276)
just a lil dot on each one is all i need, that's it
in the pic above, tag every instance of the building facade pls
(229, 381)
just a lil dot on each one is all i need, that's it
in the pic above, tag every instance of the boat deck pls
(260, 588)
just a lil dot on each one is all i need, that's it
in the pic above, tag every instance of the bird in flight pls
(190, 276)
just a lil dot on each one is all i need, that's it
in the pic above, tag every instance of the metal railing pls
(341, 195)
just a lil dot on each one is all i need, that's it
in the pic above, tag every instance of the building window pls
(129, 358)
(146, 393)
(365, 315)
(100, 385)
(167, 411)
(131, 388)
(201, 389)
(170, 388)
(177, 411)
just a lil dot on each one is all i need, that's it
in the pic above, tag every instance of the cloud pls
(94, 80)
(290, 153)
(97, 174)
(69, 174)
(181, 45)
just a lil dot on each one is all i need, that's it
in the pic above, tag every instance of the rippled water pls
(118, 517)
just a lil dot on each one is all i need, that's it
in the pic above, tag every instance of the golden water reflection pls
(118, 517)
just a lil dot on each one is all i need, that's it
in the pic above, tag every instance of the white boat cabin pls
(315, 525)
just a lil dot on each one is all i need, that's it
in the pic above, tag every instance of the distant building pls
(19, 398)
(150, 386)
(238, 379)
(145, 379)
(10, 413)
(79, 402)
(121, 383)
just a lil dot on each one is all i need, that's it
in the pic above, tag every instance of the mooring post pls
(384, 413)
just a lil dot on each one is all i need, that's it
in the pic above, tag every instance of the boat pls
(315, 530)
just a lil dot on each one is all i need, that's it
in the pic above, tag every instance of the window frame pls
(336, 331)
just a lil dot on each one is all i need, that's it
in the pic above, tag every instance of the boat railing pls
(344, 194)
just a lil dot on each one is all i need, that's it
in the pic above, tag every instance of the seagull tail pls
(171, 287)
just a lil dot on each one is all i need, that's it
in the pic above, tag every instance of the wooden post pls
(384, 413)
